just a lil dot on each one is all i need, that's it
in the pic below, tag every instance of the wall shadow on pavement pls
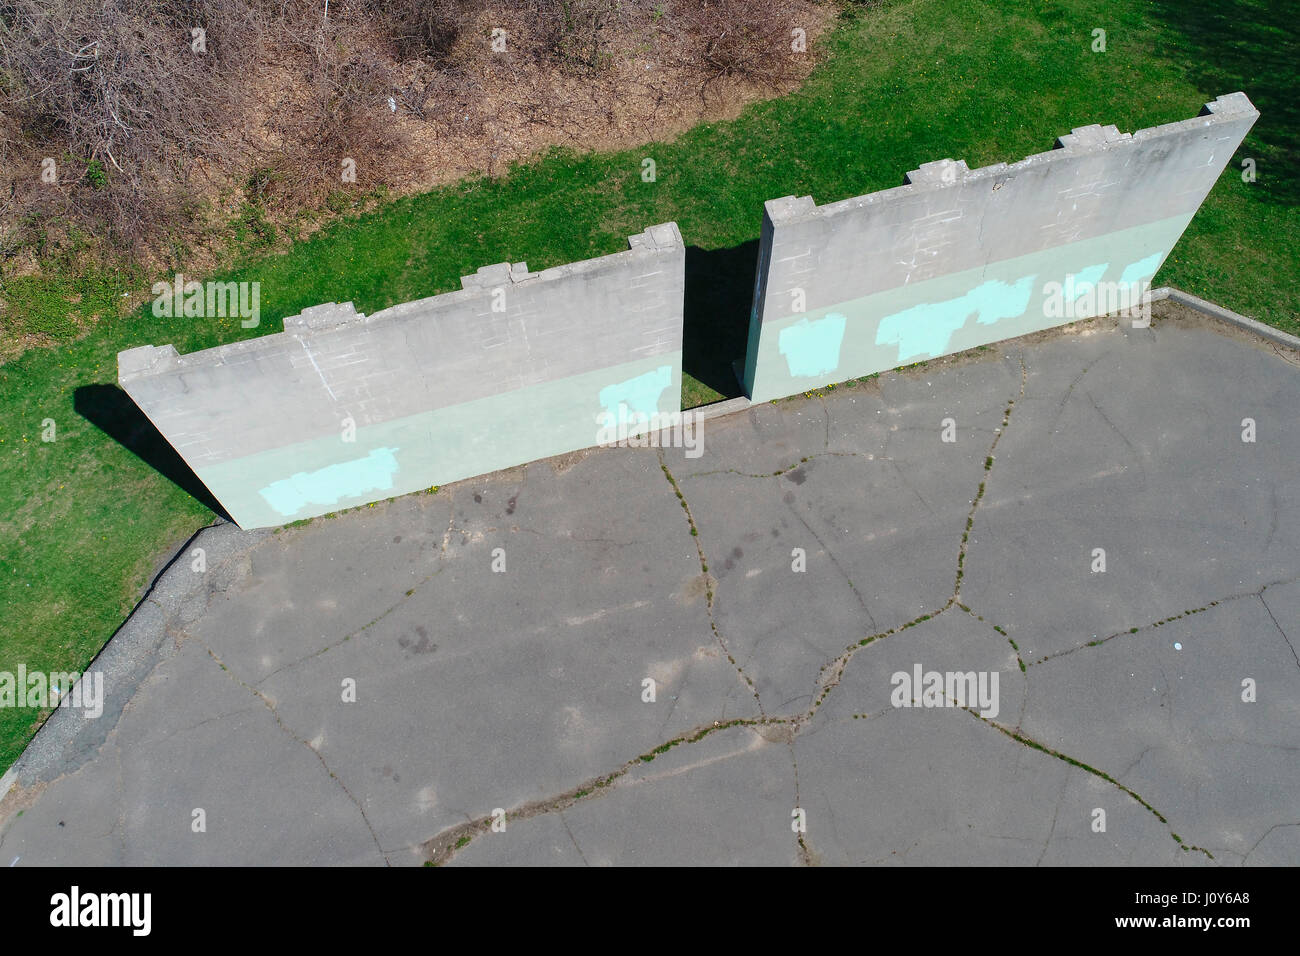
(719, 295)
(113, 412)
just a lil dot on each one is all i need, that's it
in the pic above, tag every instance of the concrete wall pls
(341, 409)
(958, 257)
(437, 390)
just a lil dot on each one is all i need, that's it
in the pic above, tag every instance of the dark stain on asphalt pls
(422, 646)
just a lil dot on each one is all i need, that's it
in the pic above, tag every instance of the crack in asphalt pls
(364, 627)
(1035, 745)
(319, 756)
(572, 838)
(1273, 617)
(1255, 845)
(804, 854)
(835, 562)
(448, 842)
(1060, 798)
(1235, 596)
(1060, 407)
(1137, 456)
(709, 581)
(445, 845)
(1010, 640)
(788, 468)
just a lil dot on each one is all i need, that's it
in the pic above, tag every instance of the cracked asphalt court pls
(499, 714)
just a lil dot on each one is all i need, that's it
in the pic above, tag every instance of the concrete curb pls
(728, 407)
(1224, 315)
(10, 776)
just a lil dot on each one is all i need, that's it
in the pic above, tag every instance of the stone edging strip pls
(1224, 315)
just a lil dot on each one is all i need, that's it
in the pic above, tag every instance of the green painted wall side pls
(952, 313)
(409, 454)
(750, 369)
(752, 341)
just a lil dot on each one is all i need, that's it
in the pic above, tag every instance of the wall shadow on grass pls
(111, 410)
(719, 295)
(1252, 46)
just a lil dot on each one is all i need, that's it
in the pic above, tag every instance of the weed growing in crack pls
(1028, 742)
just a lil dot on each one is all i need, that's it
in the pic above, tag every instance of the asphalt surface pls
(1119, 691)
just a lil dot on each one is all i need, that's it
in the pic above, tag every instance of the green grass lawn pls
(86, 520)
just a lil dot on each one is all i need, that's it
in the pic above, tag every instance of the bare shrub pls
(570, 32)
(339, 120)
(575, 32)
(154, 133)
(424, 28)
(124, 95)
(741, 39)
(450, 98)
(134, 99)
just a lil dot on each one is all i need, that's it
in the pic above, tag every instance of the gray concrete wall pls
(342, 408)
(959, 257)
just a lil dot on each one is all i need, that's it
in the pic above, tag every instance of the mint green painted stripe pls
(412, 453)
(813, 347)
(347, 479)
(926, 329)
(1143, 269)
(950, 313)
(1080, 283)
(638, 397)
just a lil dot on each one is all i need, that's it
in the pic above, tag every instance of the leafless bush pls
(450, 98)
(427, 28)
(575, 32)
(744, 39)
(134, 99)
(150, 108)
(340, 129)
(125, 96)
(571, 32)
